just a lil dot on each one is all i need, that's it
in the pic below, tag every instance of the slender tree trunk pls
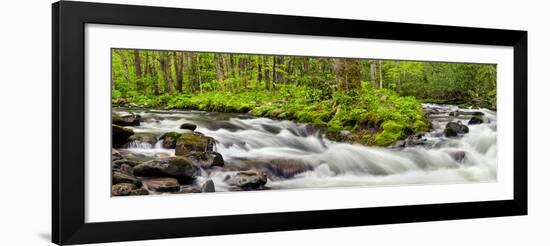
(190, 58)
(373, 73)
(199, 72)
(267, 75)
(274, 73)
(125, 66)
(219, 69)
(380, 71)
(348, 74)
(154, 75)
(137, 66)
(259, 75)
(166, 65)
(178, 64)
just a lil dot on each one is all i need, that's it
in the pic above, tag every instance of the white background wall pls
(25, 64)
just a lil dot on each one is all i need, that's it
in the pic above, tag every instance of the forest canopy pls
(376, 101)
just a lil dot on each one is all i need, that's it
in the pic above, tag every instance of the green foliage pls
(377, 107)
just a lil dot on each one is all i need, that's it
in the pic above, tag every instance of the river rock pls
(193, 142)
(287, 168)
(120, 135)
(176, 167)
(452, 129)
(142, 140)
(476, 119)
(459, 113)
(126, 120)
(120, 177)
(127, 169)
(169, 139)
(206, 159)
(125, 162)
(115, 155)
(139, 192)
(250, 179)
(189, 189)
(162, 184)
(208, 186)
(411, 141)
(188, 126)
(122, 189)
(458, 156)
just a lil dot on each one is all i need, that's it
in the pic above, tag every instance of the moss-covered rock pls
(193, 142)
(169, 139)
(391, 132)
(120, 135)
(206, 159)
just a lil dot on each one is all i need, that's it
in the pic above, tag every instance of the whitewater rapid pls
(334, 164)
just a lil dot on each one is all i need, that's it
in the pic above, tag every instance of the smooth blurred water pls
(334, 164)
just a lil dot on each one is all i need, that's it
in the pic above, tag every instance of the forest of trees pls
(176, 79)
(145, 72)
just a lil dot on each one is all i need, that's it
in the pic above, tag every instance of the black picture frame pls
(69, 19)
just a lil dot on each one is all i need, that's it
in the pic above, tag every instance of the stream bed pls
(294, 156)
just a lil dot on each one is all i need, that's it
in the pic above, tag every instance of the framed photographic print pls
(175, 122)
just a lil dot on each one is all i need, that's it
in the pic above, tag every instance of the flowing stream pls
(242, 139)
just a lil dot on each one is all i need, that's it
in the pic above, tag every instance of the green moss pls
(373, 116)
(193, 141)
(171, 135)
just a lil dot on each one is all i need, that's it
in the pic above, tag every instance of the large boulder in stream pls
(176, 167)
(126, 120)
(452, 129)
(120, 135)
(476, 119)
(206, 159)
(120, 177)
(193, 142)
(169, 139)
(142, 140)
(248, 180)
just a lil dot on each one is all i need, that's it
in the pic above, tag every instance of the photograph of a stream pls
(195, 122)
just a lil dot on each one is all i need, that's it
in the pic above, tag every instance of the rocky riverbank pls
(195, 156)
